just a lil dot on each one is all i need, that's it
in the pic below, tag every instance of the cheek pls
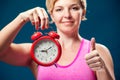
(57, 18)
(77, 17)
(79, 14)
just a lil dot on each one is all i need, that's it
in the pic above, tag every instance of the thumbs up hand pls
(93, 59)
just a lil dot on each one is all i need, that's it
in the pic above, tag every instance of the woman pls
(80, 60)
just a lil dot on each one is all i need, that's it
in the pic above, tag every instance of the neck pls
(68, 41)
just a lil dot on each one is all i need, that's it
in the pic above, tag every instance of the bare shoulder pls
(102, 48)
(104, 52)
(107, 58)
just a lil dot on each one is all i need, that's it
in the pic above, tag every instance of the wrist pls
(104, 74)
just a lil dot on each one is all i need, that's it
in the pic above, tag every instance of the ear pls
(83, 14)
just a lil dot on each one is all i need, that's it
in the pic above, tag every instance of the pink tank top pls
(77, 70)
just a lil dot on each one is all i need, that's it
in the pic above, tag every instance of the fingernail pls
(33, 23)
(42, 27)
(46, 27)
(36, 27)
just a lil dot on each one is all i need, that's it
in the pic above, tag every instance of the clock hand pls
(46, 50)
(49, 48)
(43, 51)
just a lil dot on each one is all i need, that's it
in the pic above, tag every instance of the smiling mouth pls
(67, 22)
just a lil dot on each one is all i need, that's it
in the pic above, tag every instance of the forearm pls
(9, 32)
(104, 74)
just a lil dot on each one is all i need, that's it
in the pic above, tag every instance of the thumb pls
(92, 44)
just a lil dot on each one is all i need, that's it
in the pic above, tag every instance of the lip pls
(67, 21)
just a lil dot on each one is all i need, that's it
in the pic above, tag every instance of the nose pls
(67, 13)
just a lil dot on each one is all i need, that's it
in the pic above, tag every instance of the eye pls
(75, 8)
(59, 9)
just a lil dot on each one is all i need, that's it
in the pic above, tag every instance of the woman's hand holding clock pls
(37, 16)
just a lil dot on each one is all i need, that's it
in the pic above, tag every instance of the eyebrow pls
(71, 5)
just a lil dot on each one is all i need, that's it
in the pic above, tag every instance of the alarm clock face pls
(46, 52)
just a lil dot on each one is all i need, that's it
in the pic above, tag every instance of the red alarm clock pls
(45, 50)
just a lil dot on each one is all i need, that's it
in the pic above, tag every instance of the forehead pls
(66, 2)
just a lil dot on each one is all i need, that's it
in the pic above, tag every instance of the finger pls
(91, 55)
(93, 60)
(29, 13)
(31, 19)
(96, 69)
(46, 17)
(36, 19)
(93, 44)
(97, 64)
(42, 17)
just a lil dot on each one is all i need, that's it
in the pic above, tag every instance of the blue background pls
(103, 23)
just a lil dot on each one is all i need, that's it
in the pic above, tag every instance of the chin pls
(68, 31)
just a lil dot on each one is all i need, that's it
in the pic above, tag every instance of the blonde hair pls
(50, 5)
